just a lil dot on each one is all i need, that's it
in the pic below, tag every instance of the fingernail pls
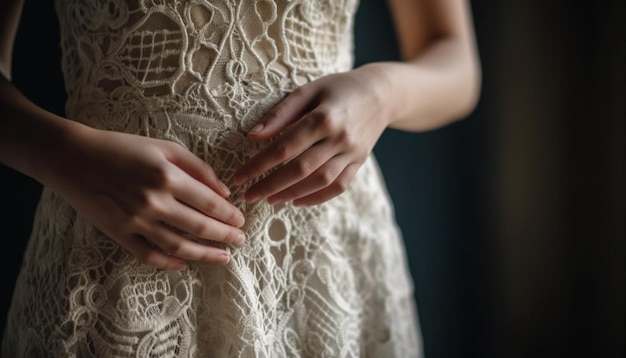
(180, 266)
(224, 258)
(224, 189)
(256, 129)
(241, 220)
(240, 239)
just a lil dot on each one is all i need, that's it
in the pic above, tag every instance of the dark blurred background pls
(513, 218)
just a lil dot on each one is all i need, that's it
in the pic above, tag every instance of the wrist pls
(51, 150)
(388, 97)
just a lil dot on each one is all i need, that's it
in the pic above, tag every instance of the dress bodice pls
(329, 280)
(218, 59)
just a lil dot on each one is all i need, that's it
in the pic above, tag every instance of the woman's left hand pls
(328, 128)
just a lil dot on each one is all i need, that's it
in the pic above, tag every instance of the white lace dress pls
(324, 281)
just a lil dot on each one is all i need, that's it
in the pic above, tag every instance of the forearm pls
(438, 86)
(31, 138)
(10, 11)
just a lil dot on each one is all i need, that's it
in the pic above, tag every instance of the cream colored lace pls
(323, 281)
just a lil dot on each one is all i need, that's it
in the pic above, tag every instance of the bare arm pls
(133, 189)
(320, 151)
(10, 11)
(29, 135)
(23, 125)
(439, 80)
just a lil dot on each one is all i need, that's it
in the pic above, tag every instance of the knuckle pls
(146, 204)
(341, 185)
(131, 225)
(303, 168)
(325, 121)
(344, 137)
(159, 177)
(209, 207)
(282, 152)
(325, 178)
(167, 177)
(174, 248)
(201, 228)
(151, 204)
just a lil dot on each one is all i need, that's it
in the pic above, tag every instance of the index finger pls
(294, 142)
(197, 195)
(197, 168)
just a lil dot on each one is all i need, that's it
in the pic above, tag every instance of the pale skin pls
(136, 189)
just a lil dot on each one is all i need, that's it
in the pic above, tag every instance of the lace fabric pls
(324, 281)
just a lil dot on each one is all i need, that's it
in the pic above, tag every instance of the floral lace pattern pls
(324, 281)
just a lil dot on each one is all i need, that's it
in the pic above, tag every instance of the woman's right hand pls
(143, 193)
